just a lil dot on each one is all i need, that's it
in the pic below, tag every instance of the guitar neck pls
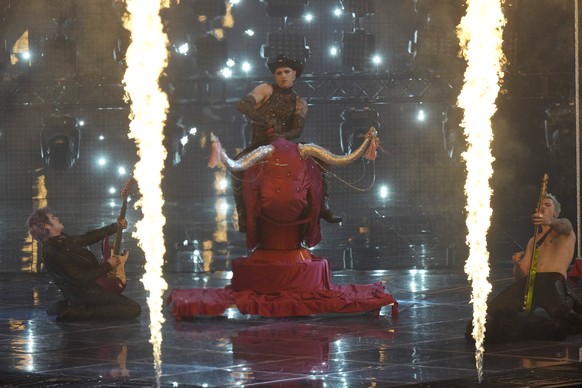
(117, 243)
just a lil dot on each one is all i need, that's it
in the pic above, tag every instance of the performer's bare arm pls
(562, 226)
(521, 261)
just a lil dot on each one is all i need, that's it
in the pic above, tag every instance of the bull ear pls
(325, 156)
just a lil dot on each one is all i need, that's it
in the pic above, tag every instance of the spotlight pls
(286, 8)
(358, 49)
(355, 124)
(60, 138)
(292, 45)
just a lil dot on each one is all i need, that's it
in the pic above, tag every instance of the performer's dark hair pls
(37, 224)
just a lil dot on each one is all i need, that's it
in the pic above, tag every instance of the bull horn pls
(244, 162)
(327, 157)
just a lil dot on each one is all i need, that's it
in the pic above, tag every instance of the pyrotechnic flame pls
(480, 33)
(146, 58)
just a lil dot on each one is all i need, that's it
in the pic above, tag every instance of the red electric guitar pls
(116, 279)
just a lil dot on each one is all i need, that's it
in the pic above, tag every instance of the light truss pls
(316, 89)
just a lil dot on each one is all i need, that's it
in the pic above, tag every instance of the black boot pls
(74, 313)
(324, 211)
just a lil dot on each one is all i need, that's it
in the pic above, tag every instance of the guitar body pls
(116, 279)
(111, 281)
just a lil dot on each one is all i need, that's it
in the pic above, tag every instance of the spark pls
(147, 57)
(480, 33)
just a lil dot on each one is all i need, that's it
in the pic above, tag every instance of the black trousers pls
(550, 293)
(99, 303)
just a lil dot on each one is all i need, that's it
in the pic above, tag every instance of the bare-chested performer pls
(556, 242)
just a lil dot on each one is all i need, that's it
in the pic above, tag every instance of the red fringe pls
(215, 152)
(371, 153)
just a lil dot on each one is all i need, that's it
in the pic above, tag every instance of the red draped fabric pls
(267, 278)
(575, 273)
(308, 290)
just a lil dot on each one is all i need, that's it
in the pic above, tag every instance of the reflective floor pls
(424, 345)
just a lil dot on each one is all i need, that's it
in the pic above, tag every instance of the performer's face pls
(55, 227)
(285, 76)
(548, 208)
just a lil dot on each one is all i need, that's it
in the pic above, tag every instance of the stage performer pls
(75, 270)
(275, 110)
(558, 307)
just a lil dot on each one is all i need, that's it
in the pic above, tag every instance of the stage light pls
(101, 161)
(184, 140)
(121, 171)
(60, 138)
(183, 49)
(249, 32)
(211, 53)
(20, 54)
(420, 114)
(286, 8)
(337, 12)
(333, 51)
(246, 67)
(355, 124)
(292, 45)
(359, 7)
(383, 192)
(309, 17)
(358, 48)
(226, 72)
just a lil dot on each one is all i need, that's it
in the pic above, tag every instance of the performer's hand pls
(114, 261)
(540, 219)
(122, 223)
(517, 257)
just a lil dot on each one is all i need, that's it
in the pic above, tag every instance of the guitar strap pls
(541, 240)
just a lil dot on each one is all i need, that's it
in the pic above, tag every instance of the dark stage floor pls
(423, 346)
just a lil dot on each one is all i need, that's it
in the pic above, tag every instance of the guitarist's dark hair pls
(37, 224)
